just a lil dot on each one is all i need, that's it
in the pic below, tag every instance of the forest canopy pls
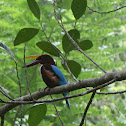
(88, 44)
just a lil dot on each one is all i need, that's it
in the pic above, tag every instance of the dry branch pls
(94, 82)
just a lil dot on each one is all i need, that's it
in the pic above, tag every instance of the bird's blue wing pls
(62, 80)
(57, 71)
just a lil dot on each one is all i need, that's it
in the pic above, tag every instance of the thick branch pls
(94, 82)
(61, 98)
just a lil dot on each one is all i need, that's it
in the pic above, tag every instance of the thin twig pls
(106, 11)
(30, 80)
(87, 107)
(5, 94)
(19, 82)
(16, 115)
(57, 112)
(21, 109)
(2, 120)
(73, 42)
(68, 51)
(26, 77)
(2, 101)
(109, 93)
(68, 69)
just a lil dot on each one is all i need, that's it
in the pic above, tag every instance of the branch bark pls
(106, 11)
(2, 120)
(87, 107)
(94, 82)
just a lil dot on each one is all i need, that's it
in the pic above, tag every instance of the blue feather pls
(57, 71)
(62, 80)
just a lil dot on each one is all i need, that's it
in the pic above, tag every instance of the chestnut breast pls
(49, 76)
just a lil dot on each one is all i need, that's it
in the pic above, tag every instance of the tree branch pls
(94, 82)
(57, 112)
(5, 94)
(87, 107)
(57, 99)
(106, 11)
(2, 120)
(109, 93)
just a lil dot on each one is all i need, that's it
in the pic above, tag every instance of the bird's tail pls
(67, 102)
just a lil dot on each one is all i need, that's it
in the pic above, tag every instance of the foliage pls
(78, 8)
(37, 114)
(25, 35)
(49, 48)
(105, 34)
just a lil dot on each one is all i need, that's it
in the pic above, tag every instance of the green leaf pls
(122, 56)
(34, 8)
(49, 48)
(67, 4)
(25, 35)
(66, 43)
(85, 44)
(75, 67)
(37, 114)
(6, 48)
(78, 8)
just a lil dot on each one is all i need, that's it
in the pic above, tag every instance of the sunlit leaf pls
(74, 67)
(78, 8)
(6, 48)
(66, 43)
(48, 47)
(67, 4)
(25, 35)
(36, 114)
(102, 89)
(34, 8)
(85, 44)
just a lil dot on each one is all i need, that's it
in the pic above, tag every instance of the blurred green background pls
(107, 33)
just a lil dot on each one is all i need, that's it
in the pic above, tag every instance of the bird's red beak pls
(35, 62)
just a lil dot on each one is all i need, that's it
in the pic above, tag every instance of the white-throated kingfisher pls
(51, 74)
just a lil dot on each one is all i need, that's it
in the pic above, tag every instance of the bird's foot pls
(47, 88)
(43, 89)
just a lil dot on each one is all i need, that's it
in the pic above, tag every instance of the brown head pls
(43, 59)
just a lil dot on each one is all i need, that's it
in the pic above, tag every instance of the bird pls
(51, 74)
